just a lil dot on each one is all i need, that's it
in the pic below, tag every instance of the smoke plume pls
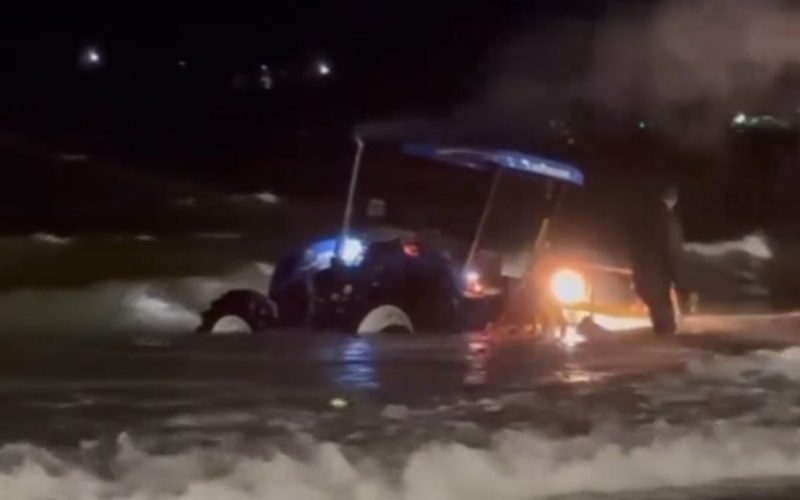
(685, 67)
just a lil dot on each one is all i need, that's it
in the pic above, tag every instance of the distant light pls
(266, 77)
(411, 250)
(740, 119)
(91, 56)
(323, 68)
(642, 125)
(339, 403)
(182, 63)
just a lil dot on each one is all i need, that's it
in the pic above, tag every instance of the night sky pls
(176, 70)
(180, 94)
(242, 99)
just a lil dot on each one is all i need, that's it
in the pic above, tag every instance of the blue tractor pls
(373, 280)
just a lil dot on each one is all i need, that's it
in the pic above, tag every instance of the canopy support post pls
(487, 208)
(351, 195)
(555, 194)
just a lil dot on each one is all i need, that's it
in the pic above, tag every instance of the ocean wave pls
(51, 239)
(515, 466)
(119, 307)
(755, 245)
(263, 197)
(752, 366)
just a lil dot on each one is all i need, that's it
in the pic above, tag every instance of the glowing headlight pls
(473, 282)
(352, 251)
(569, 287)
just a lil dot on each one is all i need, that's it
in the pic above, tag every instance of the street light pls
(91, 56)
(323, 68)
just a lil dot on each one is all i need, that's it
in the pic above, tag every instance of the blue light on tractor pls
(351, 252)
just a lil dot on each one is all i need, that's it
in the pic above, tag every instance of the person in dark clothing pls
(657, 254)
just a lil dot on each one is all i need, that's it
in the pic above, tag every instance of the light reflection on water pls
(356, 369)
(478, 350)
(449, 364)
(358, 364)
(622, 323)
(577, 376)
(571, 338)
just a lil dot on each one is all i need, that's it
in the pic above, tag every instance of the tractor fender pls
(385, 318)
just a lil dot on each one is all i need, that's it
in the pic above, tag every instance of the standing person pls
(657, 254)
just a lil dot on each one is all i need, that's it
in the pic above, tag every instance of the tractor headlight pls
(569, 287)
(352, 251)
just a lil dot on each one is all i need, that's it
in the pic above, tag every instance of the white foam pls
(187, 202)
(517, 465)
(755, 365)
(211, 419)
(754, 245)
(622, 323)
(110, 307)
(51, 239)
(73, 157)
(263, 197)
(160, 306)
(395, 412)
(267, 197)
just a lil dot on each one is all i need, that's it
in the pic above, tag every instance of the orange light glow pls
(621, 323)
(569, 287)
(571, 338)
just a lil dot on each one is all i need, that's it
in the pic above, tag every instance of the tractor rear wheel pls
(238, 311)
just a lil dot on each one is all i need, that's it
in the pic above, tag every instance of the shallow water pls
(298, 416)
(105, 395)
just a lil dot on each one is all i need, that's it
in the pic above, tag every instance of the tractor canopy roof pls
(482, 158)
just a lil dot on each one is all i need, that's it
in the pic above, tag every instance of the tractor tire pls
(253, 309)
